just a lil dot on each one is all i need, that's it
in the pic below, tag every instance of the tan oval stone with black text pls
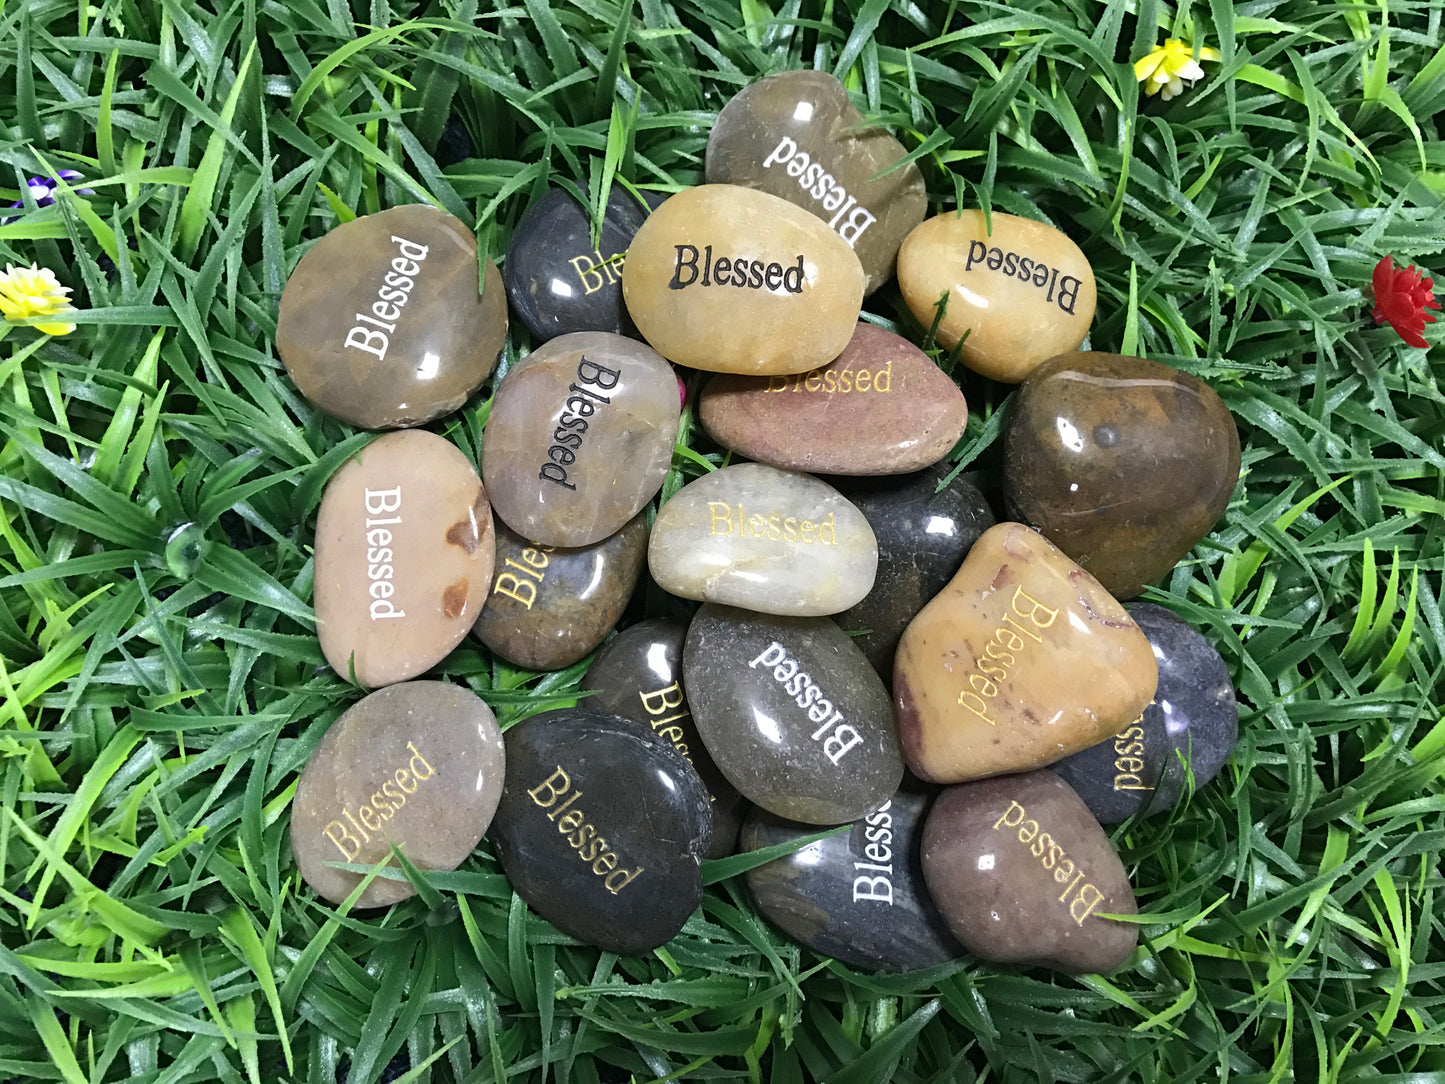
(404, 552)
(1021, 292)
(418, 766)
(732, 280)
(1020, 661)
(382, 323)
(880, 407)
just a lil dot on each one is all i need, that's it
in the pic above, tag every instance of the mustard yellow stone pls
(1021, 660)
(1021, 293)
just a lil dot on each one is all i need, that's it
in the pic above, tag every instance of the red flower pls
(1401, 298)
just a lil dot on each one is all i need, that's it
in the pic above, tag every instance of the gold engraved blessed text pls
(582, 837)
(373, 813)
(596, 271)
(1079, 896)
(1000, 653)
(836, 381)
(775, 527)
(533, 567)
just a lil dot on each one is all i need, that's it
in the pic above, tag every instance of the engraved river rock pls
(880, 407)
(785, 287)
(418, 765)
(579, 437)
(858, 897)
(549, 607)
(404, 551)
(638, 676)
(381, 323)
(796, 135)
(1122, 463)
(601, 828)
(1193, 720)
(793, 714)
(1021, 294)
(1024, 875)
(1021, 660)
(765, 539)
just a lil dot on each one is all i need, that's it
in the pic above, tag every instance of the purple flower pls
(43, 188)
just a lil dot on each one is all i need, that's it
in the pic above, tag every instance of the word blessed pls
(835, 380)
(1128, 749)
(581, 836)
(736, 271)
(590, 272)
(1026, 270)
(878, 831)
(567, 437)
(800, 686)
(520, 590)
(377, 810)
(823, 187)
(379, 555)
(389, 302)
(658, 704)
(1051, 856)
(999, 652)
(775, 528)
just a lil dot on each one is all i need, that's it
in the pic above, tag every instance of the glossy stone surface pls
(880, 407)
(786, 288)
(1193, 719)
(1024, 874)
(796, 135)
(557, 280)
(923, 535)
(579, 437)
(1021, 660)
(1122, 463)
(549, 607)
(769, 540)
(419, 765)
(638, 675)
(381, 324)
(858, 897)
(404, 551)
(601, 828)
(792, 713)
(1022, 294)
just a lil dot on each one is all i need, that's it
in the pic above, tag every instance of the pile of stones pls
(872, 648)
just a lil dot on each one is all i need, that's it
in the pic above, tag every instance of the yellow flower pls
(1166, 68)
(34, 291)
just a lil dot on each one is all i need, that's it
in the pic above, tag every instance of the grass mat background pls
(160, 681)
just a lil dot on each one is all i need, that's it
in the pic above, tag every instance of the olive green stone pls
(382, 324)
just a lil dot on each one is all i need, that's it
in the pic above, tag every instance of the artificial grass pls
(159, 479)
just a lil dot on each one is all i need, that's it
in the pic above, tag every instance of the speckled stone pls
(1122, 463)
(381, 323)
(858, 897)
(792, 713)
(418, 765)
(1023, 874)
(638, 675)
(1193, 720)
(550, 607)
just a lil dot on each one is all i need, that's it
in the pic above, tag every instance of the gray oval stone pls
(420, 766)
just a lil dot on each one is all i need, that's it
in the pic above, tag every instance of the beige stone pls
(1020, 661)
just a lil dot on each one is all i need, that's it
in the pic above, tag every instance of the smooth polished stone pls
(381, 323)
(1193, 720)
(580, 437)
(558, 280)
(1021, 660)
(792, 713)
(1021, 294)
(880, 407)
(765, 539)
(796, 135)
(858, 897)
(1122, 463)
(404, 552)
(1024, 875)
(923, 535)
(549, 607)
(418, 765)
(638, 675)
(730, 280)
(601, 828)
